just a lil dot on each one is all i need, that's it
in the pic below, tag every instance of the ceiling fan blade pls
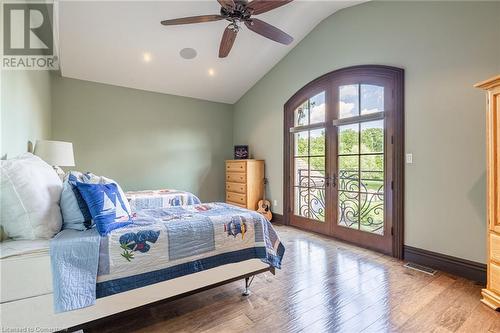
(227, 4)
(268, 31)
(261, 6)
(227, 42)
(193, 19)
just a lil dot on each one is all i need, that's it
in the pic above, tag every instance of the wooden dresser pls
(491, 295)
(244, 182)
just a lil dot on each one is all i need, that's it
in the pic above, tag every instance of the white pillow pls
(30, 191)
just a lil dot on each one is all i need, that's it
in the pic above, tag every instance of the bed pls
(21, 261)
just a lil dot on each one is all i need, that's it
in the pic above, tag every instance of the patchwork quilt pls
(163, 244)
(160, 199)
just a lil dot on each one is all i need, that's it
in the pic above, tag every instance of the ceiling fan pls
(237, 12)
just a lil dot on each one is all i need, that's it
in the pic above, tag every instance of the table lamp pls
(55, 153)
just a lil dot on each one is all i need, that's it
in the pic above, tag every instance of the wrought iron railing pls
(360, 200)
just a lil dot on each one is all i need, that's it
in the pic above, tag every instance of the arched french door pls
(344, 157)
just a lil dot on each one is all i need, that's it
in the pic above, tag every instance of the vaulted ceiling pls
(123, 43)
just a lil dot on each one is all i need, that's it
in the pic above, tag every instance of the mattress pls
(24, 269)
(13, 248)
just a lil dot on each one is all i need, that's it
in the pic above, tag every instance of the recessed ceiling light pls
(211, 72)
(146, 56)
(188, 53)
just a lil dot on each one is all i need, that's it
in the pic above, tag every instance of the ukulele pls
(264, 206)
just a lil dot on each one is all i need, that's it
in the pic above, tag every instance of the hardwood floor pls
(324, 286)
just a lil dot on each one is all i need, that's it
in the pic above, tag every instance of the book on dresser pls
(244, 182)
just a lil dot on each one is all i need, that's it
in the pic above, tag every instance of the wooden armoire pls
(491, 294)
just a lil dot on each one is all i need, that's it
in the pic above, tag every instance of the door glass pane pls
(301, 171)
(372, 174)
(349, 101)
(317, 107)
(372, 137)
(317, 142)
(301, 143)
(317, 204)
(317, 173)
(372, 99)
(301, 205)
(372, 213)
(349, 139)
(301, 115)
(348, 209)
(348, 173)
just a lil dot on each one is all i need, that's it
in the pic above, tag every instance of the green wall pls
(444, 48)
(26, 110)
(144, 140)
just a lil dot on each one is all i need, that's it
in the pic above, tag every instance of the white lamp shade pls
(55, 153)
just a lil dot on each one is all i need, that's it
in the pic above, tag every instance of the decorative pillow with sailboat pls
(76, 214)
(106, 204)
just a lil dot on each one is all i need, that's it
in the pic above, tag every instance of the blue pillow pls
(106, 206)
(75, 213)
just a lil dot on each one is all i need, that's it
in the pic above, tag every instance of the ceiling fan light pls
(234, 26)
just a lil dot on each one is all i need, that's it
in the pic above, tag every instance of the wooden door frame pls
(397, 75)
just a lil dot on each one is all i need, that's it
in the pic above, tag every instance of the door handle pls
(333, 179)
